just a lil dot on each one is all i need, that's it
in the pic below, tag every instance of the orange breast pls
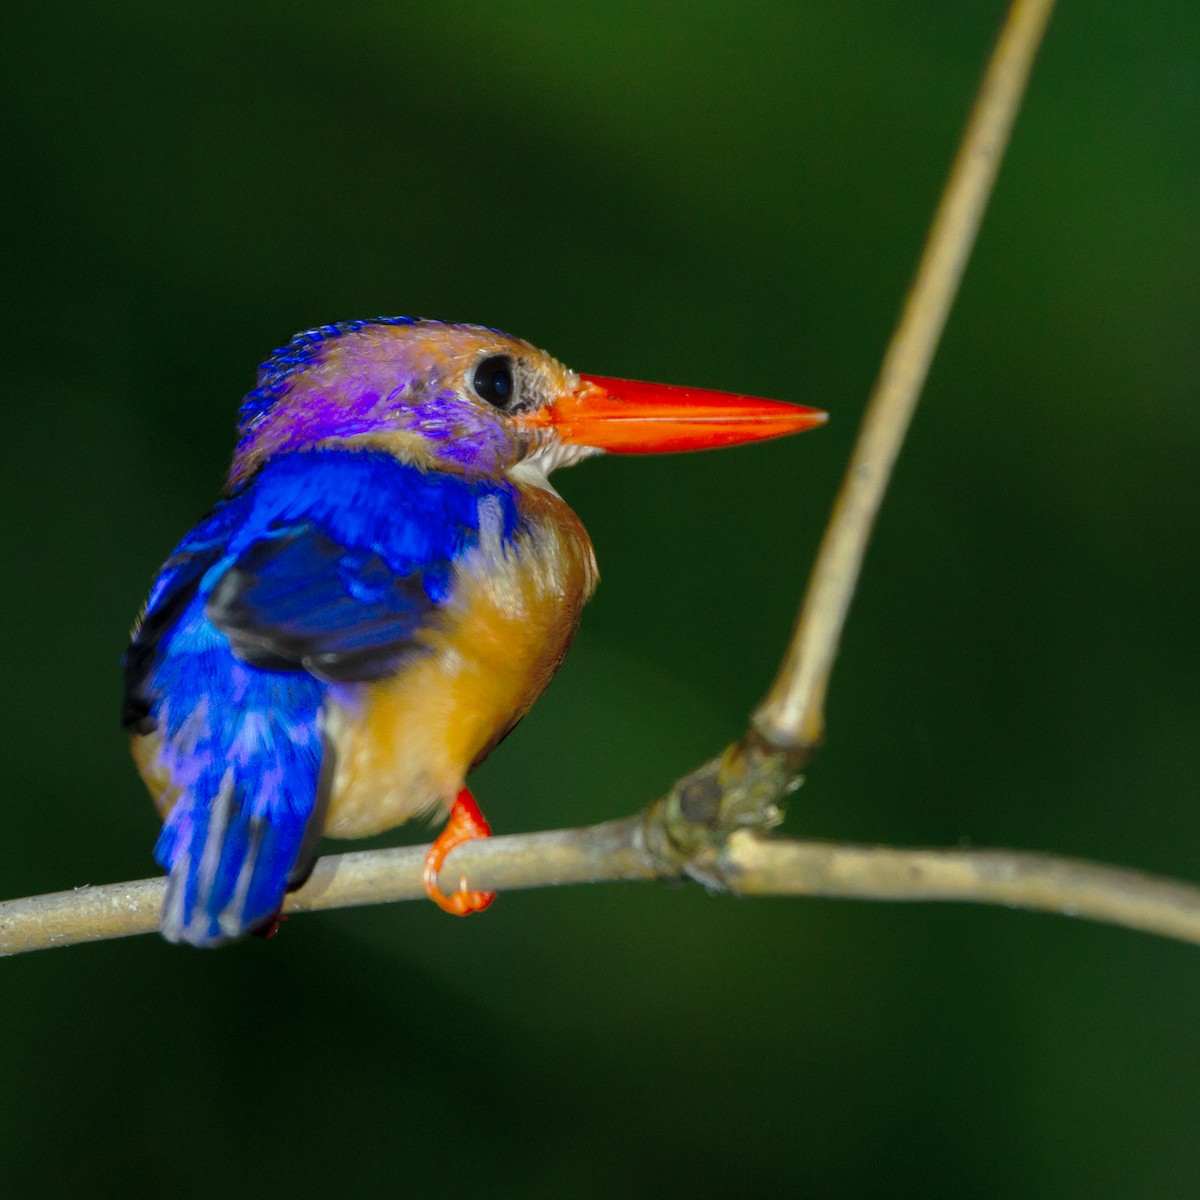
(404, 745)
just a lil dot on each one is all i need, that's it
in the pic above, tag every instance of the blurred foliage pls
(731, 196)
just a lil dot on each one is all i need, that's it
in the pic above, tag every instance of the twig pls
(793, 713)
(1070, 887)
(93, 914)
(711, 825)
(747, 864)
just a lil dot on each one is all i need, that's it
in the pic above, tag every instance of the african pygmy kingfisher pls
(386, 586)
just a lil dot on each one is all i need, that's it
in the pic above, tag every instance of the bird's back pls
(345, 632)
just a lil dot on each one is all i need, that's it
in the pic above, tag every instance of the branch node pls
(743, 788)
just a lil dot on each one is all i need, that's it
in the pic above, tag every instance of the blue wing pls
(300, 599)
(322, 569)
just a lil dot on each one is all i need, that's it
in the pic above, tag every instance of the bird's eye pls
(493, 381)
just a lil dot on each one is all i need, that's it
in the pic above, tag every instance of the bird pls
(386, 585)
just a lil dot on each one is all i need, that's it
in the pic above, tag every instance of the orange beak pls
(625, 417)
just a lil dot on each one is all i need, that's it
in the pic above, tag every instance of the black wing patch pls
(299, 600)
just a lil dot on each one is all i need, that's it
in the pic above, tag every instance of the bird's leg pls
(466, 823)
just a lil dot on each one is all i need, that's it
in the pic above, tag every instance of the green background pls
(723, 195)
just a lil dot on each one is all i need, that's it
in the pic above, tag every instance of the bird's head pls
(473, 400)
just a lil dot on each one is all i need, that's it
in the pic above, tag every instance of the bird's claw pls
(460, 903)
(466, 823)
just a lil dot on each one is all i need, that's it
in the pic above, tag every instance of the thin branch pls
(93, 914)
(746, 864)
(1070, 887)
(711, 825)
(793, 713)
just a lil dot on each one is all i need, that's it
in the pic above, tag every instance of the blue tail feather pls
(228, 870)
(247, 767)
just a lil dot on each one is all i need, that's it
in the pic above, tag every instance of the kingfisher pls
(387, 584)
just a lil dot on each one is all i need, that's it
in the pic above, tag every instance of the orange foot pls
(466, 823)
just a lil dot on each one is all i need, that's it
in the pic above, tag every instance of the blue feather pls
(243, 747)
